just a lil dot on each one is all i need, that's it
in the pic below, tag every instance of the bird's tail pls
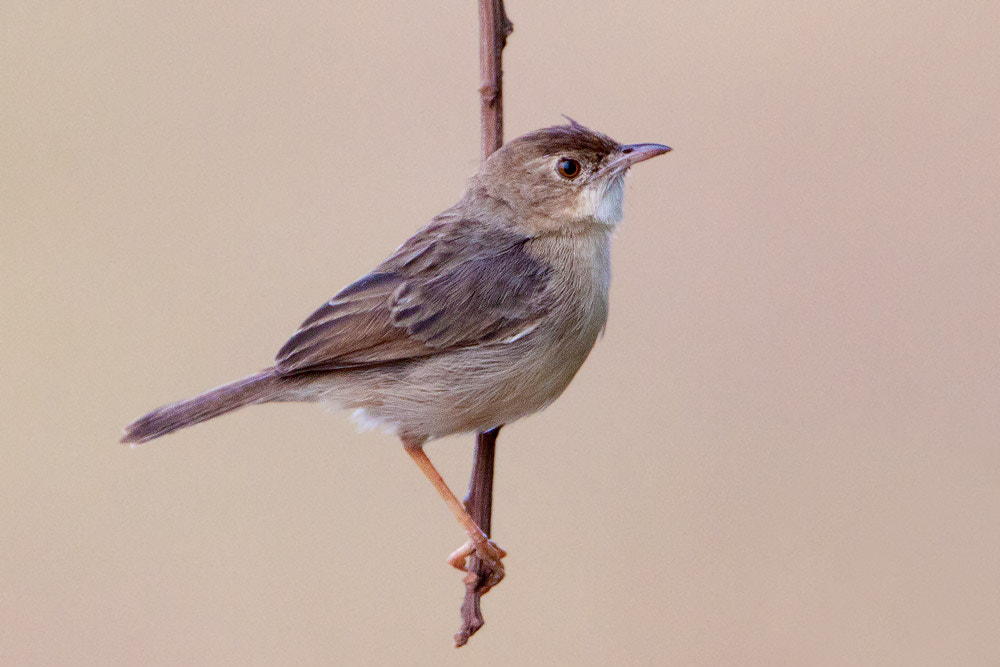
(259, 388)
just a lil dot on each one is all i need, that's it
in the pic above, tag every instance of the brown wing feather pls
(453, 284)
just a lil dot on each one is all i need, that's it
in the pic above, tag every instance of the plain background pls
(784, 451)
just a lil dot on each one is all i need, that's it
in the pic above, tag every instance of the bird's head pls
(563, 176)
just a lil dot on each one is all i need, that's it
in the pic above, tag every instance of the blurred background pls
(784, 451)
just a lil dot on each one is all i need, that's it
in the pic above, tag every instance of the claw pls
(488, 551)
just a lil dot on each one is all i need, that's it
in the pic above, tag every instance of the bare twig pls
(494, 28)
(479, 504)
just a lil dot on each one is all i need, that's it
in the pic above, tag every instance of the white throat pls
(603, 204)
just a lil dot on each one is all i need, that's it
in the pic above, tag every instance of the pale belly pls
(470, 390)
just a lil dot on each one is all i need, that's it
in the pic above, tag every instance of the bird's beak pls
(630, 154)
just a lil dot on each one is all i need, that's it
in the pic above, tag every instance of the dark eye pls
(568, 168)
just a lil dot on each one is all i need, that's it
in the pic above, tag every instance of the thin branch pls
(494, 28)
(479, 504)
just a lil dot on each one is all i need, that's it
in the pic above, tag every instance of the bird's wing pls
(454, 284)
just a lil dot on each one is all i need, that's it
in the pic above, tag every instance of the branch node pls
(489, 93)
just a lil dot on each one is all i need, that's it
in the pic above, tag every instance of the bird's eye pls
(568, 168)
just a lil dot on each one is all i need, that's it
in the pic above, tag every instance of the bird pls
(482, 317)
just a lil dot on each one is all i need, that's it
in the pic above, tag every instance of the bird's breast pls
(578, 291)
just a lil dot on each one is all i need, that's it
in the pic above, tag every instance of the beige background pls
(783, 452)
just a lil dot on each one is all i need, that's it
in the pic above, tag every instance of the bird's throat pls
(602, 202)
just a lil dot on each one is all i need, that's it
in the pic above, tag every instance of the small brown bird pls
(482, 317)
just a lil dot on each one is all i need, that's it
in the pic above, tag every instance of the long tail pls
(259, 388)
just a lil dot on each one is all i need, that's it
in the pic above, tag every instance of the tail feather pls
(259, 388)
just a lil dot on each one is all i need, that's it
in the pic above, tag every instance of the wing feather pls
(456, 283)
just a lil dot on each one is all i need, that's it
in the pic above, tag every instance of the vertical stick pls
(494, 28)
(479, 504)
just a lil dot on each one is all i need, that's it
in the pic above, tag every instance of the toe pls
(457, 559)
(490, 552)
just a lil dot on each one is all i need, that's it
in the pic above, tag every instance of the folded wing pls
(455, 284)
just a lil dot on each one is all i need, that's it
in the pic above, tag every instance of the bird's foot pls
(488, 551)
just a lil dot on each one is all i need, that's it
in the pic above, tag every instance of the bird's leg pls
(486, 549)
